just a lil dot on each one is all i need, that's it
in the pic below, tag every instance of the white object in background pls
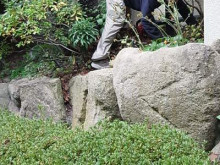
(212, 20)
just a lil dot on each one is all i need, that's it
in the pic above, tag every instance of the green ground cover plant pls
(24, 141)
(178, 40)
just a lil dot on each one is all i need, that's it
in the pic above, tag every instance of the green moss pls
(24, 141)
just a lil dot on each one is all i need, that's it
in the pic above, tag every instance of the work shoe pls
(100, 64)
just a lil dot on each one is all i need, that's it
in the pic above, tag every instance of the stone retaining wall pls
(176, 86)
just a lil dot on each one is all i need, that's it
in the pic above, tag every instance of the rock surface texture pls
(4, 95)
(93, 98)
(78, 94)
(37, 98)
(215, 154)
(216, 149)
(177, 86)
(102, 101)
(216, 45)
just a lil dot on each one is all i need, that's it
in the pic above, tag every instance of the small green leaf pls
(100, 21)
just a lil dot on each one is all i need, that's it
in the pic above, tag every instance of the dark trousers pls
(148, 6)
(185, 13)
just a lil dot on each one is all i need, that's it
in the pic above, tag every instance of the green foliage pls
(24, 141)
(40, 21)
(168, 42)
(100, 14)
(4, 48)
(193, 33)
(83, 33)
(42, 59)
(173, 21)
(60, 23)
(44, 51)
(33, 69)
(126, 41)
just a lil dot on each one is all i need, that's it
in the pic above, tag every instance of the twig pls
(135, 32)
(193, 6)
(200, 7)
(51, 42)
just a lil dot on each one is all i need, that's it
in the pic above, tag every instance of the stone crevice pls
(155, 109)
(82, 118)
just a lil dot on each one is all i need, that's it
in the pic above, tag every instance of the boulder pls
(216, 46)
(101, 101)
(4, 95)
(215, 153)
(37, 98)
(93, 98)
(216, 149)
(177, 86)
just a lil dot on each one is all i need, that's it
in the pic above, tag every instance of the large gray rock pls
(37, 98)
(216, 149)
(102, 101)
(215, 153)
(78, 94)
(93, 98)
(4, 95)
(216, 46)
(177, 86)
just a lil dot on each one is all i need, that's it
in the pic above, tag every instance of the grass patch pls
(24, 141)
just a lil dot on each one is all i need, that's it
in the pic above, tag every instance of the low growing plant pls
(166, 42)
(193, 33)
(83, 33)
(24, 141)
(41, 60)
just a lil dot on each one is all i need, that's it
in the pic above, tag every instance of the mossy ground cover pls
(24, 141)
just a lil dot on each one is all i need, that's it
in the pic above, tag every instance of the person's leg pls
(185, 13)
(147, 8)
(114, 22)
(169, 29)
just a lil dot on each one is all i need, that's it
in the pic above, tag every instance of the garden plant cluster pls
(49, 35)
(25, 141)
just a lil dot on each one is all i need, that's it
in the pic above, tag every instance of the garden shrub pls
(83, 33)
(48, 22)
(24, 141)
(178, 40)
(99, 13)
(42, 59)
(62, 25)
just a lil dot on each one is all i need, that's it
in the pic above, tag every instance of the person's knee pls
(117, 12)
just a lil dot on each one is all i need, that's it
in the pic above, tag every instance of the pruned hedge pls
(24, 141)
